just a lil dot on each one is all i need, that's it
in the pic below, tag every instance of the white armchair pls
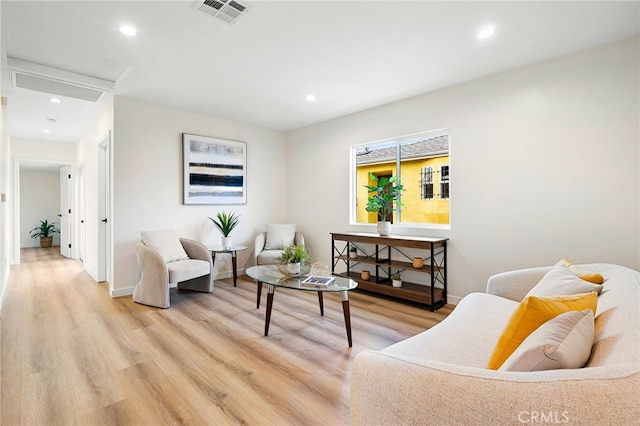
(165, 262)
(268, 246)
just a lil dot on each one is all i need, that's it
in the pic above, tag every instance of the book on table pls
(318, 280)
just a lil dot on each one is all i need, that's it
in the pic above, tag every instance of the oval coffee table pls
(270, 275)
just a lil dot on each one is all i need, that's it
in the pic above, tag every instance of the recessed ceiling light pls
(46, 131)
(129, 31)
(51, 120)
(55, 100)
(311, 97)
(486, 32)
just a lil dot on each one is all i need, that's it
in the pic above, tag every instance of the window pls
(426, 183)
(444, 182)
(421, 161)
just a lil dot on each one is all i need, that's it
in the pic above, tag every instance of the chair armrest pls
(516, 284)
(298, 239)
(196, 250)
(258, 246)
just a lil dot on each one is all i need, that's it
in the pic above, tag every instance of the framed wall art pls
(215, 170)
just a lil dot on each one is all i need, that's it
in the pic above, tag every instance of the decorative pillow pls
(592, 277)
(532, 312)
(561, 281)
(166, 243)
(279, 236)
(562, 342)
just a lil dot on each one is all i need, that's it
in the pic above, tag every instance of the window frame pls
(353, 149)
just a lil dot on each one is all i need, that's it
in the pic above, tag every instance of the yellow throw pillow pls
(592, 277)
(532, 313)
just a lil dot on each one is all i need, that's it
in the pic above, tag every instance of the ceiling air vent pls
(228, 11)
(42, 78)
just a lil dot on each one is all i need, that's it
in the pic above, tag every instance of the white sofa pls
(438, 377)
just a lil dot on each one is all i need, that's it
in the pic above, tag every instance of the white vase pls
(384, 228)
(396, 283)
(293, 268)
(226, 242)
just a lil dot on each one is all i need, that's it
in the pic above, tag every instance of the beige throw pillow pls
(279, 236)
(561, 281)
(562, 342)
(167, 243)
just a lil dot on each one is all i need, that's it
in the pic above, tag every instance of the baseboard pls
(453, 300)
(120, 292)
(93, 274)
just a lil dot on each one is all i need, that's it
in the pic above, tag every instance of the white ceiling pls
(353, 55)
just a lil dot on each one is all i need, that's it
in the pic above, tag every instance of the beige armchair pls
(268, 246)
(190, 269)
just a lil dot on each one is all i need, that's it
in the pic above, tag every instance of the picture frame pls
(214, 170)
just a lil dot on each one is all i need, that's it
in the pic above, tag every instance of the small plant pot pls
(396, 283)
(384, 228)
(365, 275)
(353, 254)
(418, 262)
(293, 268)
(45, 242)
(226, 242)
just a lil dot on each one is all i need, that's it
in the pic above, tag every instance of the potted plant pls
(226, 222)
(353, 252)
(292, 258)
(45, 231)
(384, 192)
(396, 280)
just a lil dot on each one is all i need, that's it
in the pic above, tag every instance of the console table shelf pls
(432, 293)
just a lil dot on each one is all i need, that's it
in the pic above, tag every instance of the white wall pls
(544, 164)
(147, 155)
(39, 200)
(87, 158)
(46, 151)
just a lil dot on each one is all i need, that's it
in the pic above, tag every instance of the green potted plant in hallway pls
(226, 222)
(45, 231)
(383, 193)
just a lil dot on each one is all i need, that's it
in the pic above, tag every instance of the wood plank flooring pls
(71, 355)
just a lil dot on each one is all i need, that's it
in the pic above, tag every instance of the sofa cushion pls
(167, 243)
(183, 270)
(561, 281)
(279, 236)
(562, 342)
(531, 313)
(449, 341)
(585, 274)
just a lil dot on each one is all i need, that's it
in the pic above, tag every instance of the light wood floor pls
(71, 355)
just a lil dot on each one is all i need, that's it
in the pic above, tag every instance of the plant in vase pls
(396, 279)
(292, 258)
(383, 193)
(226, 222)
(45, 231)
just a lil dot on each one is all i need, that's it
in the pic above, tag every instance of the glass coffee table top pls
(269, 274)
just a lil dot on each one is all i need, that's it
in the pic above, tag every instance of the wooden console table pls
(432, 293)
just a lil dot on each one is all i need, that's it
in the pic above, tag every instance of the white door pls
(81, 213)
(65, 211)
(104, 225)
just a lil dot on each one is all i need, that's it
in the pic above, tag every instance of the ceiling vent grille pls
(228, 11)
(32, 76)
(55, 87)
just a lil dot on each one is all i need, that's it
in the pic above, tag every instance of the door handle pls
(60, 215)
(104, 220)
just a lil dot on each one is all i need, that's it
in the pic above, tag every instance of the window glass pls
(422, 163)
